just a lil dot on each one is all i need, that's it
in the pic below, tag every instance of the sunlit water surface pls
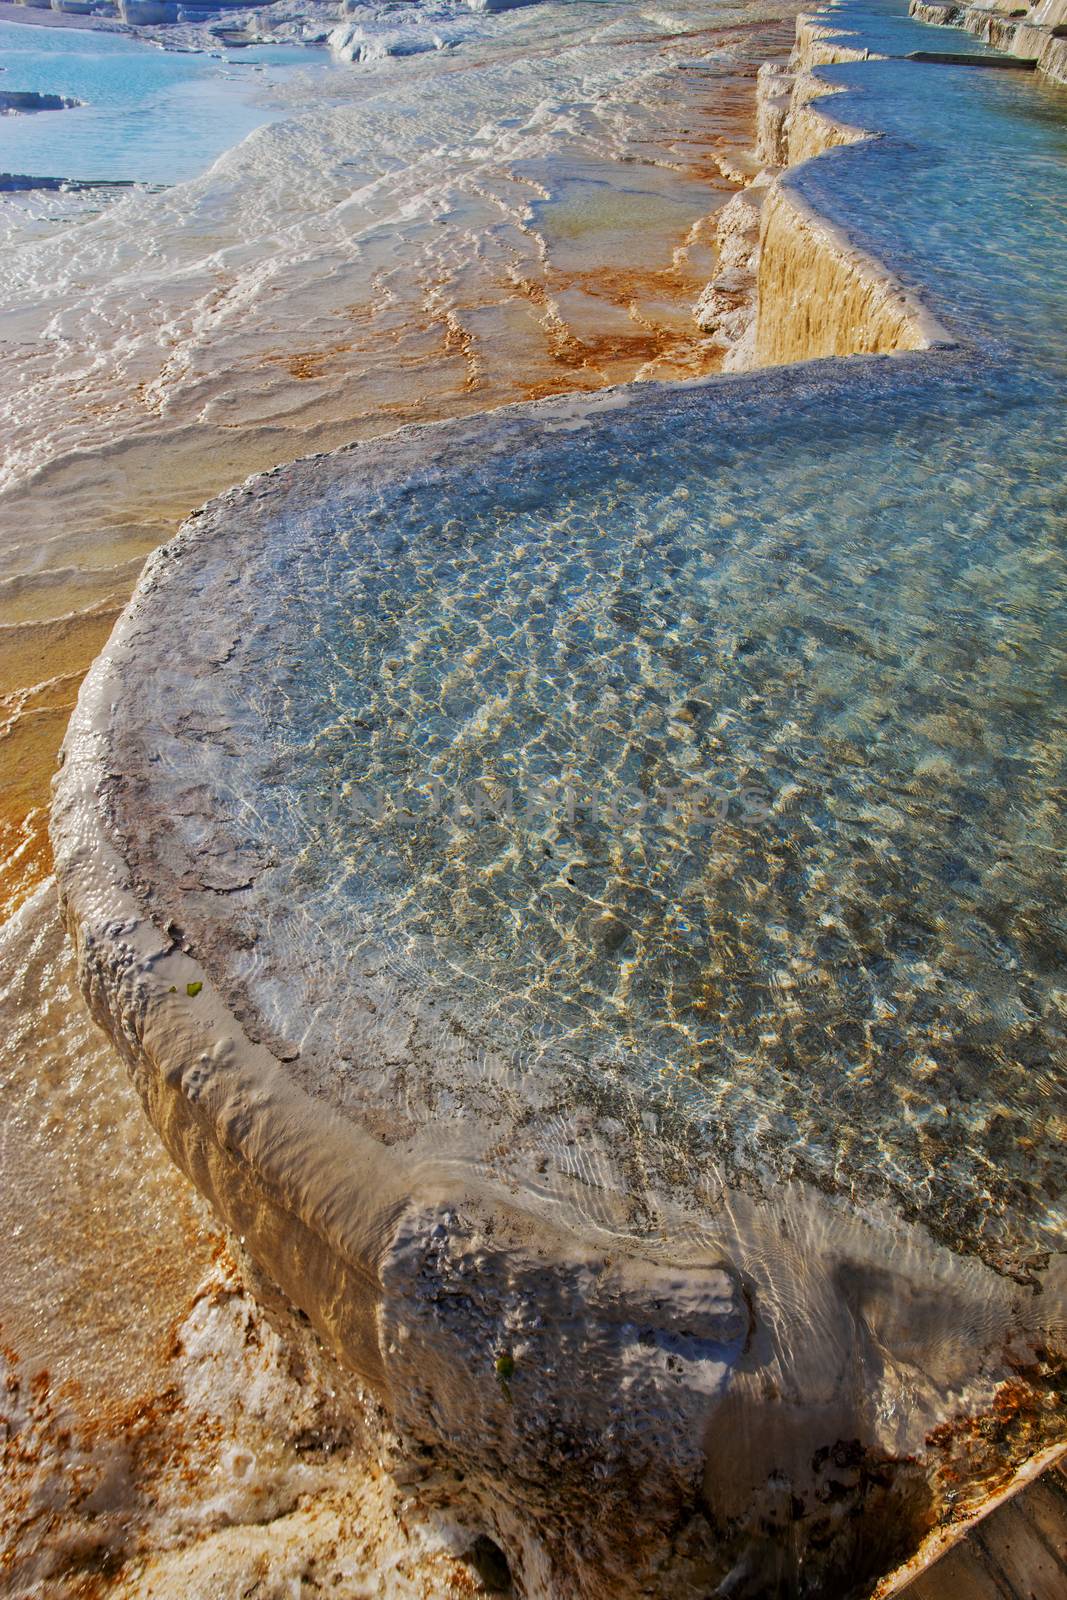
(714, 753)
(145, 115)
(527, 212)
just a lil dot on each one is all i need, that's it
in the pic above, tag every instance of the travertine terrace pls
(519, 1123)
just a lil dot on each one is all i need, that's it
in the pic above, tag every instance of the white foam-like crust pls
(709, 1365)
(625, 1414)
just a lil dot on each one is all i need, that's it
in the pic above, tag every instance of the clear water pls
(763, 684)
(964, 197)
(147, 115)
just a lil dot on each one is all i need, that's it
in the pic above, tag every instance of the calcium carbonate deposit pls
(409, 238)
(579, 888)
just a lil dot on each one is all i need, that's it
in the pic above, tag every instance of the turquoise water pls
(713, 753)
(148, 115)
(964, 197)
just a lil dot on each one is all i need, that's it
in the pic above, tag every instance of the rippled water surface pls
(526, 213)
(715, 752)
(146, 115)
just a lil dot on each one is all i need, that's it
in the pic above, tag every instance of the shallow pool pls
(147, 115)
(702, 754)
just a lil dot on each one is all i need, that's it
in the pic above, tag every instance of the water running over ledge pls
(433, 1067)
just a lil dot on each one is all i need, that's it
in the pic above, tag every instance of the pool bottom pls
(741, 1380)
(577, 1360)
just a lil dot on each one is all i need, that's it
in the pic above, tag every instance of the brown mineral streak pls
(570, 361)
(48, 645)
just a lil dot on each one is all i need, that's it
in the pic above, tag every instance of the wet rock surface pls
(678, 1288)
(14, 102)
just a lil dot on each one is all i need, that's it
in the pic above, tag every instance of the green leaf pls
(505, 1368)
(193, 989)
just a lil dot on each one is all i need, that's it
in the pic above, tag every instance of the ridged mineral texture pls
(577, 890)
(1036, 32)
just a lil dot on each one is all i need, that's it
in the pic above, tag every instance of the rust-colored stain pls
(718, 115)
(982, 1451)
(52, 1439)
(308, 364)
